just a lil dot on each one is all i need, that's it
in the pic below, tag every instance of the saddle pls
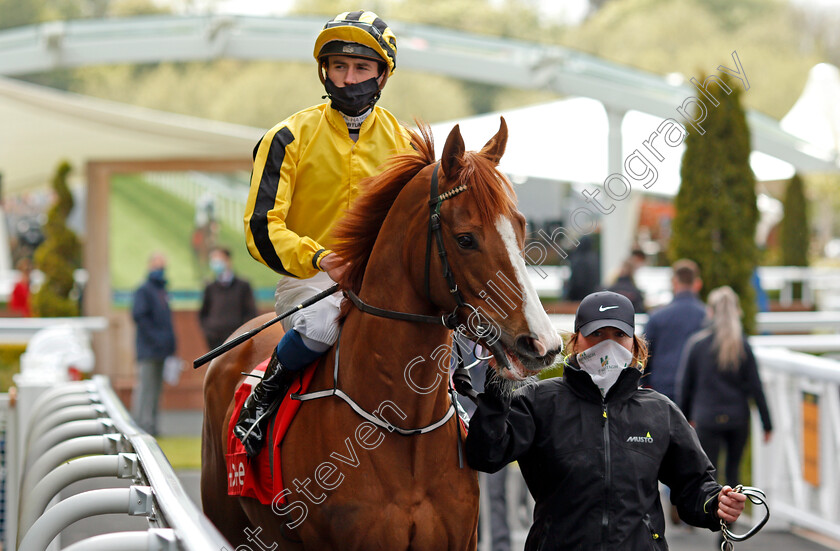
(261, 477)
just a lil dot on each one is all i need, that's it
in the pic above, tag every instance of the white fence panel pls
(798, 468)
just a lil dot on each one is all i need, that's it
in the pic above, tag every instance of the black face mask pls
(353, 98)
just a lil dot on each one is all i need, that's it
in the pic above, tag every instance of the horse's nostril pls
(529, 346)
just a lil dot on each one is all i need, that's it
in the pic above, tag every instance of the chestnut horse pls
(361, 483)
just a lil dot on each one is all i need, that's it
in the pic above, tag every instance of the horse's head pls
(465, 208)
(483, 235)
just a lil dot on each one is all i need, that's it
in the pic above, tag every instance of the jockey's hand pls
(335, 266)
(730, 504)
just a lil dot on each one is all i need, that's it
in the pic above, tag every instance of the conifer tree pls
(716, 211)
(794, 227)
(58, 255)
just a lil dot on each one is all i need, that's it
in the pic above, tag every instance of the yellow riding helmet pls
(359, 34)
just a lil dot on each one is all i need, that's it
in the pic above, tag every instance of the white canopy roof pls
(815, 116)
(42, 126)
(566, 141)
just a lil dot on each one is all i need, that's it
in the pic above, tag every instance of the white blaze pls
(535, 315)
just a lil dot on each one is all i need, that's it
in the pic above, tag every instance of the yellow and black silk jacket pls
(306, 173)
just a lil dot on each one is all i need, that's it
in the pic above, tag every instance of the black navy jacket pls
(155, 338)
(717, 399)
(592, 464)
(667, 331)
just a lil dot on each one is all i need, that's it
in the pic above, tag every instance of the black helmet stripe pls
(379, 25)
(371, 24)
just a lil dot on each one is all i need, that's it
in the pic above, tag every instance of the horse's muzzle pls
(532, 352)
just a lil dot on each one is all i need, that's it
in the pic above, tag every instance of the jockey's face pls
(344, 70)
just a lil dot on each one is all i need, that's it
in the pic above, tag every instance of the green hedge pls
(9, 363)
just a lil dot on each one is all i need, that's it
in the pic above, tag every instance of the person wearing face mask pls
(155, 341)
(593, 446)
(226, 303)
(306, 174)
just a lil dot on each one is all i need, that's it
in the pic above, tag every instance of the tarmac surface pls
(680, 538)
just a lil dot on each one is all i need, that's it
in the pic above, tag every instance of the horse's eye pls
(466, 241)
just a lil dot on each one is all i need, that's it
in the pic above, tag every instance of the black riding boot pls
(252, 420)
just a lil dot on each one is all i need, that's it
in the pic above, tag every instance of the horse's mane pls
(357, 231)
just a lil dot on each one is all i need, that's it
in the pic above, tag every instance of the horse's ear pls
(495, 148)
(452, 158)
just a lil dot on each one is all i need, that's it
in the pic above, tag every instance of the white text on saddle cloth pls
(236, 473)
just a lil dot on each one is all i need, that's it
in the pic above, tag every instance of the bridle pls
(450, 320)
(435, 203)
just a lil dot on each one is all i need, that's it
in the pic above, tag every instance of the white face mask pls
(604, 362)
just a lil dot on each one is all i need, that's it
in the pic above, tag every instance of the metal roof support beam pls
(489, 60)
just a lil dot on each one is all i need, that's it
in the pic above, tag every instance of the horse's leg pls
(222, 510)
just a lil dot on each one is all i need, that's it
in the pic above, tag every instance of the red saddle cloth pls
(255, 477)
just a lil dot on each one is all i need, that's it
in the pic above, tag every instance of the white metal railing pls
(21, 330)
(813, 344)
(793, 383)
(820, 285)
(80, 430)
(777, 323)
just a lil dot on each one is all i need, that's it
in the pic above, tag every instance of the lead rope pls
(756, 497)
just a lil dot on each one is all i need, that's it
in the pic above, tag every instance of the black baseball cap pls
(605, 309)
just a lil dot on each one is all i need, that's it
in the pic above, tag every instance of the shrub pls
(716, 205)
(58, 255)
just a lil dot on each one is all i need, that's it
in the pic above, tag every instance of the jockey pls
(306, 173)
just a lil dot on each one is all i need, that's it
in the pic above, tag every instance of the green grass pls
(144, 218)
(183, 452)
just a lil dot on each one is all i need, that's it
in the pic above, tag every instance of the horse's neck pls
(398, 366)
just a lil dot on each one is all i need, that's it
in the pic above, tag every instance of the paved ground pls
(685, 538)
(180, 423)
(189, 423)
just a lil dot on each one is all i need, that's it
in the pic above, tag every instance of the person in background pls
(585, 270)
(718, 377)
(593, 445)
(670, 327)
(155, 341)
(227, 302)
(625, 284)
(638, 258)
(19, 299)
